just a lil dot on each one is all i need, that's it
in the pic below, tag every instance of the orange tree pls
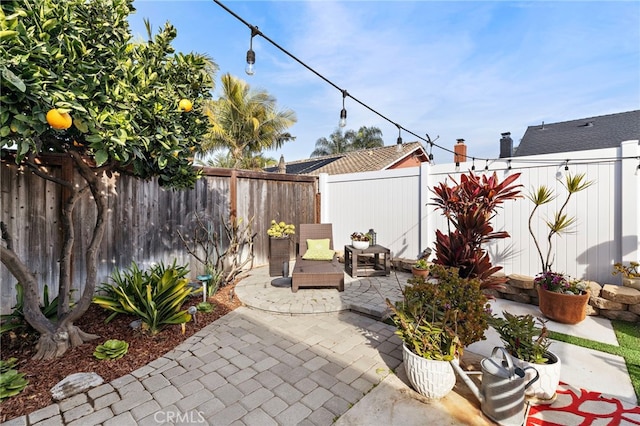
(74, 83)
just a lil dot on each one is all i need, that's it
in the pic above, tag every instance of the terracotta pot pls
(431, 378)
(419, 272)
(564, 308)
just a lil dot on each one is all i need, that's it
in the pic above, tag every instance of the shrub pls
(156, 296)
(11, 382)
(436, 320)
(16, 319)
(469, 207)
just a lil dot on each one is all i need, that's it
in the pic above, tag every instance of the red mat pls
(580, 407)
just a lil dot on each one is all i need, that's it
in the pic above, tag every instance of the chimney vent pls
(460, 152)
(282, 168)
(506, 145)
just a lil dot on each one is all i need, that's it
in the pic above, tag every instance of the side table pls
(372, 261)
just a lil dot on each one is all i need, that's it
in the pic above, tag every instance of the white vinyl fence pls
(395, 204)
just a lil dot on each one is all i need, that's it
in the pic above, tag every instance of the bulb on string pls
(343, 112)
(251, 60)
(343, 118)
(251, 55)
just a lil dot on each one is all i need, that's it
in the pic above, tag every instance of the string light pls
(508, 164)
(430, 142)
(399, 141)
(566, 165)
(473, 166)
(251, 55)
(343, 112)
(250, 70)
(457, 166)
(486, 164)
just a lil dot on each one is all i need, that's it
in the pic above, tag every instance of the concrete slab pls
(393, 402)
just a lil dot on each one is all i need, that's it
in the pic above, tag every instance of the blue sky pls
(453, 69)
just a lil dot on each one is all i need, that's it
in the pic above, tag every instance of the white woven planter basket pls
(432, 379)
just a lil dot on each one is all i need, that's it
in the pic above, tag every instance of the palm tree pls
(336, 144)
(245, 121)
(224, 160)
(365, 138)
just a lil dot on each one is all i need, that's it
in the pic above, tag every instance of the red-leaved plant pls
(469, 207)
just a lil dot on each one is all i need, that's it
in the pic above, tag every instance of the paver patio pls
(267, 363)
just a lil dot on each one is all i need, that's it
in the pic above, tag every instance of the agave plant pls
(156, 297)
(111, 349)
(11, 382)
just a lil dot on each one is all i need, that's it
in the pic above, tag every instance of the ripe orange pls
(185, 105)
(58, 120)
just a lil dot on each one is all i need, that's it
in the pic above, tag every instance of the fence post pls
(423, 198)
(323, 190)
(630, 201)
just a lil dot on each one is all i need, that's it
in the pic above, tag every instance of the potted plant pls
(420, 268)
(561, 298)
(435, 321)
(360, 240)
(469, 207)
(280, 247)
(630, 274)
(528, 345)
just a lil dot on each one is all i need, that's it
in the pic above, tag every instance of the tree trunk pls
(56, 339)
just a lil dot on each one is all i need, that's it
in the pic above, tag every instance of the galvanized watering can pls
(502, 392)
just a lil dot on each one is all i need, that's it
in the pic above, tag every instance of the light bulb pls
(251, 60)
(343, 118)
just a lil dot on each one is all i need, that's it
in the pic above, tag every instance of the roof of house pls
(604, 131)
(364, 160)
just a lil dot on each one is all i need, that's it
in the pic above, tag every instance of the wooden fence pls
(143, 219)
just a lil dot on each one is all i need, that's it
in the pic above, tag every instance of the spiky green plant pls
(156, 296)
(11, 382)
(561, 223)
(16, 320)
(521, 337)
(111, 349)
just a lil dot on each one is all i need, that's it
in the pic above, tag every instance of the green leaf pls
(4, 34)
(49, 23)
(101, 157)
(13, 79)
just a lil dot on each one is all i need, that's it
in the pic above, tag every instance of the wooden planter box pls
(279, 252)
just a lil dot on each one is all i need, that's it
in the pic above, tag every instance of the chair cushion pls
(321, 244)
(318, 254)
